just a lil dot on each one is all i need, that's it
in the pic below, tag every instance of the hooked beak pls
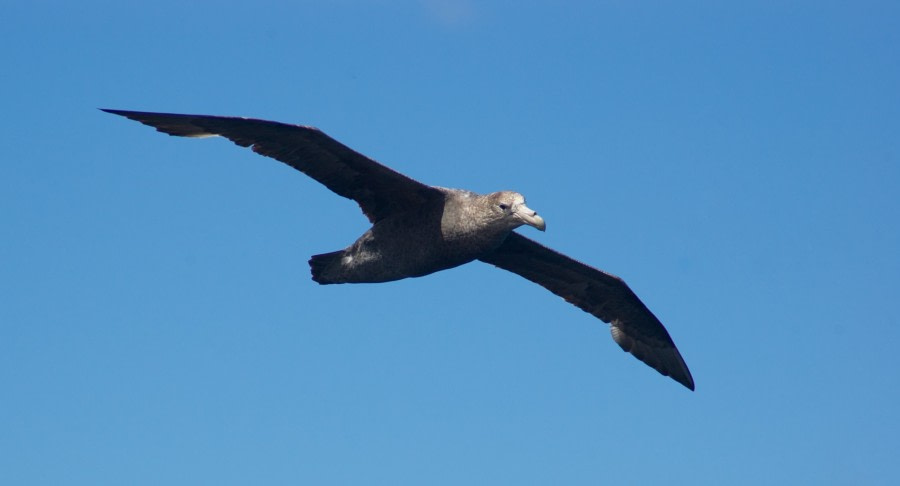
(530, 217)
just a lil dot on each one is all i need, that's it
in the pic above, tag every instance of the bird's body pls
(419, 229)
(450, 229)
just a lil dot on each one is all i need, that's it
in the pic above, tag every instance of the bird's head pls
(509, 206)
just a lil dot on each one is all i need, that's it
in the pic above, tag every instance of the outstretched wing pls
(378, 189)
(606, 296)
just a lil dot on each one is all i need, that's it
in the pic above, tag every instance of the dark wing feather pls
(378, 189)
(606, 296)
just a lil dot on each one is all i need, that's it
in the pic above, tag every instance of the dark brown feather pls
(606, 296)
(378, 189)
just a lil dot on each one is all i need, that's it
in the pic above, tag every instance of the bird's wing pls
(606, 296)
(378, 189)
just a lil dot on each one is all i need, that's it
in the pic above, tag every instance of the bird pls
(418, 229)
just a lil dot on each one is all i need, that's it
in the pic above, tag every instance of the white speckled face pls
(507, 201)
(512, 206)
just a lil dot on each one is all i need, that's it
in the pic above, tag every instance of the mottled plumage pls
(419, 229)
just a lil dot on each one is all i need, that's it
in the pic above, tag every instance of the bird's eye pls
(504, 207)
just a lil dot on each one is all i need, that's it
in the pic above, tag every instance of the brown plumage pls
(419, 229)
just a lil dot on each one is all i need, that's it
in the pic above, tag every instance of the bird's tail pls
(321, 267)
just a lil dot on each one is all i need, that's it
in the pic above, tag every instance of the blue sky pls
(737, 165)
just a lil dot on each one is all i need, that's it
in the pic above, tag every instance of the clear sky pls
(738, 165)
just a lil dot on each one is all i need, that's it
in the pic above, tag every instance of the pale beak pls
(530, 217)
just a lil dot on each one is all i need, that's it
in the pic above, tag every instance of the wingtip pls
(114, 112)
(665, 358)
(683, 375)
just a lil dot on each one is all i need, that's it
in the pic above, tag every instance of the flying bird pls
(419, 229)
